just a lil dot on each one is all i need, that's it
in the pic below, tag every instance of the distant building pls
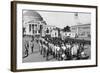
(49, 31)
(54, 33)
(67, 34)
(32, 23)
(83, 30)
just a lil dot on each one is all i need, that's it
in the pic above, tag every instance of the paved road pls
(36, 57)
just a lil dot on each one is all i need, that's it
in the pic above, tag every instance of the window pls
(29, 27)
(85, 27)
(41, 27)
(33, 26)
(73, 28)
(39, 31)
(33, 31)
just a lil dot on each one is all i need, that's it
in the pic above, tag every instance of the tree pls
(67, 28)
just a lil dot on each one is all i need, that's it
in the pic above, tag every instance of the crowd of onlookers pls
(61, 49)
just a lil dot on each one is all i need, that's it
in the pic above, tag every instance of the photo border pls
(14, 35)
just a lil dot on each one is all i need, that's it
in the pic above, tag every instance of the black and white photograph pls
(56, 36)
(49, 36)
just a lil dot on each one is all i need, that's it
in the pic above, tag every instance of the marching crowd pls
(61, 50)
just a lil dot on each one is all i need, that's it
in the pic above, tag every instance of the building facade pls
(50, 31)
(83, 30)
(54, 33)
(67, 34)
(32, 23)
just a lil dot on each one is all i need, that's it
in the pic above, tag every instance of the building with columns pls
(34, 25)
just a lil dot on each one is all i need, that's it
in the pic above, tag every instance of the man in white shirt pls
(74, 50)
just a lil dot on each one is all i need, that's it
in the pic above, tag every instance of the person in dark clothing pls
(81, 48)
(26, 49)
(32, 46)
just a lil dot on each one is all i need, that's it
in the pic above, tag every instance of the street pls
(36, 57)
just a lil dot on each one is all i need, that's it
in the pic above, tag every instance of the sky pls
(63, 19)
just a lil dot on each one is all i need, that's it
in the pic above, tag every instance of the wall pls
(5, 37)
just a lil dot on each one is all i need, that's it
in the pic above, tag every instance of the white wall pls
(5, 37)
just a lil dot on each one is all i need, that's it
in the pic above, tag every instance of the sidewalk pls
(34, 57)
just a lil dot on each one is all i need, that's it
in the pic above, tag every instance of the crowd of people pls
(28, 46)
(63, 50)
(59, 49)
